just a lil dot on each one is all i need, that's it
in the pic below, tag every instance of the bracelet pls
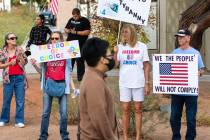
(147, 82)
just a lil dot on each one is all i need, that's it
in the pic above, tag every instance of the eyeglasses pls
(55, 38)
(12, 38)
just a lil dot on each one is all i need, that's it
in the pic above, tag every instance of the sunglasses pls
(55, 38)
(12, 38)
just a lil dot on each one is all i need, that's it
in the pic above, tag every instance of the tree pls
(197, 18)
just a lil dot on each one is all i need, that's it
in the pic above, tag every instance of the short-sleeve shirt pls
(131, 65)
(79, 25)
(190, 51)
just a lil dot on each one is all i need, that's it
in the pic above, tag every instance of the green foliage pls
(15, 2)
(18, 21)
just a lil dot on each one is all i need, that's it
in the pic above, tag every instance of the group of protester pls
(97, 111)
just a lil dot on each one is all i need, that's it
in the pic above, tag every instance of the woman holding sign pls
(12, 61)
(132, 57)
(55, 81)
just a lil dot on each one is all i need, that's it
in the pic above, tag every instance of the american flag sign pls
(173, 74)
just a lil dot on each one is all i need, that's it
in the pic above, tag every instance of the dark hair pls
(76, 11)
(93, 49)
(42, 17)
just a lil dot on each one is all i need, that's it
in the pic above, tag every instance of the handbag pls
(55, 88)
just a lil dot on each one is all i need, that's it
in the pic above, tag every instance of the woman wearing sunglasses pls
(59, 72)
(12, 61)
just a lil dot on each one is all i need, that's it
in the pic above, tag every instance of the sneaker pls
(20, 125)
(2, 124)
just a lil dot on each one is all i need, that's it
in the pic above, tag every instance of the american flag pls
(174, 74)
(54, 7)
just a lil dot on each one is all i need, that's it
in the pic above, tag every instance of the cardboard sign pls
(175, 74)
(57, 51)
(131, 11)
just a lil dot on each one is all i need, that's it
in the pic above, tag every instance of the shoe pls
(20, 125)
(2, 124)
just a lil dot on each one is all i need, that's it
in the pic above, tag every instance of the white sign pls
(57, 51)
(175, 74)
(131, 11)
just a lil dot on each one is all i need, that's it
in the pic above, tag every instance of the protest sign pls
(131, 11)
(175, 74)
(57, 51)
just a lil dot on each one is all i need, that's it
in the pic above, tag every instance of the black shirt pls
(79, 25)
(38, 35)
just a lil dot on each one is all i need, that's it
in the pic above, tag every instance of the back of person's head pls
(42, 17)
(133, 33)
(93, 49)
(75, 11)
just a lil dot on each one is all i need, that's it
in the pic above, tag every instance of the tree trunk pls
(197, 19)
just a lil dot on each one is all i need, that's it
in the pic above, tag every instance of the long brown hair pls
(133, 35)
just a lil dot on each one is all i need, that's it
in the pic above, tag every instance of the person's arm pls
(67, 28)
(83, 33)
(31, 38)
(147, 77)
(7, 64)
(86, 30)
(97, 110)
(146, 67)
(37, 68)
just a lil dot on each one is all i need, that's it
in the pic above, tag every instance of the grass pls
(18, 21)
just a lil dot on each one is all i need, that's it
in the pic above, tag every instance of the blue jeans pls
(47, 105)
(16, 86)
(177, 103)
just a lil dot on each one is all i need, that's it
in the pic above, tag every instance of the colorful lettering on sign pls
(51, 57)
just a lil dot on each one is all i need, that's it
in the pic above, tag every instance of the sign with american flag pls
(175, 73)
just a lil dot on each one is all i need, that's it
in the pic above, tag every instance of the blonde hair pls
(133, 35)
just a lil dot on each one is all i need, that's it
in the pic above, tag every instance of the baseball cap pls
(183, 32)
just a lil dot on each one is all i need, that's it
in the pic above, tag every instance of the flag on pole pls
(54, 7)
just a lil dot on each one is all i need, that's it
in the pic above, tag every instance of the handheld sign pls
(131, 11)
(175, 74)
(57, 51)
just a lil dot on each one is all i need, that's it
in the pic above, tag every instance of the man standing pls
(39, 33)
(190, 101)
(96, 99)
(78, 28)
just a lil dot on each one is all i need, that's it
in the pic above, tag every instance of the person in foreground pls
(13, 61)
(190, 101)
(57, 72)
(132, 57)
(96, 100)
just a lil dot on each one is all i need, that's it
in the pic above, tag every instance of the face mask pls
(111, 63)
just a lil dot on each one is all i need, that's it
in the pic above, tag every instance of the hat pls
(183, 32)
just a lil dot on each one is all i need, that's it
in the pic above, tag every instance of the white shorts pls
(128, 94)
